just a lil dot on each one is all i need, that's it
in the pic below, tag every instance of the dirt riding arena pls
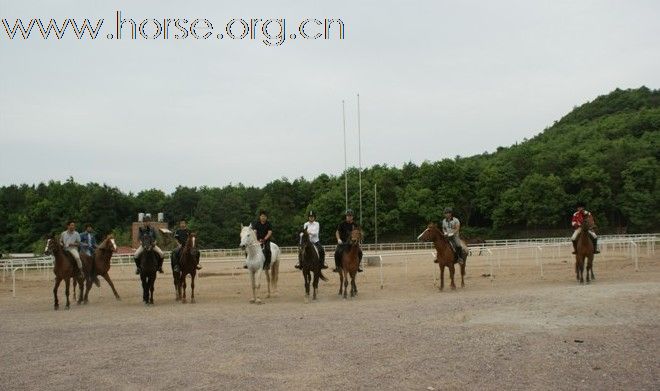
(518, 330)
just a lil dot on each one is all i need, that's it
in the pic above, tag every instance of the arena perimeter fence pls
(376, 254)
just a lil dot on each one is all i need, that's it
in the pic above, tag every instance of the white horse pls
(255, 262)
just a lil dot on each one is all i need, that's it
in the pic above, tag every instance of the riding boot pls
(360, 262)
(461, 257)
(595, 240)
(137, 265)
(574, 246)
(175, 262)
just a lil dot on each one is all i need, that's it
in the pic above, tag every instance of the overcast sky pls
(436, 79)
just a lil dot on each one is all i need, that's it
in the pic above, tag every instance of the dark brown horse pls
(149, 262)
(445, 254)
(64, 268)
(188, 259)
(310, 263)
(585, 250)
(350, 260)
(99, 265)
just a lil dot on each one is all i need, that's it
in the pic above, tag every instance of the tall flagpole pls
(359, 156)
(343, 111)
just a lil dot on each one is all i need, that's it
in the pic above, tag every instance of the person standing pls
(70, 241)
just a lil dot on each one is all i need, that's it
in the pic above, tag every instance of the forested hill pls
(604, 152)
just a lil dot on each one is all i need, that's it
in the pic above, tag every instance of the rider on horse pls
(578, 219)
(148, 230)
(313, 228)
(264, 232)
(88, 241)
(451, 227)
(343, 235)
(181, 236)
(70, 240)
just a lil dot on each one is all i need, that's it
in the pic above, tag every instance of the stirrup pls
(198, 267)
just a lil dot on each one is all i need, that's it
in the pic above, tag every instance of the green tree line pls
(604, 152)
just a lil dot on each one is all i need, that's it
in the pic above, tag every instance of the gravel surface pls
(516, 332)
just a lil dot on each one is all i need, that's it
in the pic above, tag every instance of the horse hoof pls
(86, 302)
(252, 300)
(192, 301)
(258, 301)
(67, 307)
(184, 301)
(118, 298)
(268, 296)
(56, 307)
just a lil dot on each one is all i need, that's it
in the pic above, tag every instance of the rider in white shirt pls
(313, 228)
(451, 227)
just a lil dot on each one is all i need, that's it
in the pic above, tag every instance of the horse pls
(445, 254)
(148, 261)
(188, 260)
(99, 265)
(255, 262)
(350, 261)
(585, 249)
(310, 263)
(64, 268)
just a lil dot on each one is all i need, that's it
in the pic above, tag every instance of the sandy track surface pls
(518, 331)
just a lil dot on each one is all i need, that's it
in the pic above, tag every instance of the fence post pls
(634, 254)
(539, 258)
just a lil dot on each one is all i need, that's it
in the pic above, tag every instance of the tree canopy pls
(604, 153)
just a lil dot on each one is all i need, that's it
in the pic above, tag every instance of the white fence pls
(494, 251)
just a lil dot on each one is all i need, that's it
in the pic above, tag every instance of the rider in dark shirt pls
(181, 236)
(343, 235)
(264, 233)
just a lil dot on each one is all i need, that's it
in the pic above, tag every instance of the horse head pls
(147, 242)
(429, 234)
(52, 245)
(191, 243)
(356, 236)
(304, 237)
(108, 243)
(248, 236)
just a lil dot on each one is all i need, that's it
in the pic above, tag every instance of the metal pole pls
(376, 216)
(359, 156)
(343, 111)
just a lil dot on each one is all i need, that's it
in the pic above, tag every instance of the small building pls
(160, 225)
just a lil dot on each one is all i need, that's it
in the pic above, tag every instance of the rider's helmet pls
(311, 214)
(349, 212)
(449, 210)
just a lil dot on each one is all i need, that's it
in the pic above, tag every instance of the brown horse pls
(188, 259)
(445, 254)
(99, 265)
(64, 268)
(585, 250)
(349, 264)
(310, 263)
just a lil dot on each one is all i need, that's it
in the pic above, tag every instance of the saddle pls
(71, 260)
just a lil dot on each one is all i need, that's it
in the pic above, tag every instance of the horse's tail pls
(321, 276)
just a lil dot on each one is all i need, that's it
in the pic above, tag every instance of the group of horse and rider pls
(450, 249)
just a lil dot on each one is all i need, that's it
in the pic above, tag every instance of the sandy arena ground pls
(516, 332)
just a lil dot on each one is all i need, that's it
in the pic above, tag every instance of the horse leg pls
(152, 284)
(67, 282)
(315, 284)
(106, 277)
(192, 286)
(275, 268)
(341, 282)
(57, 285)
(258, 286)
(267, 272)
(581, 269)
(353, 286)
(345, 283)
(182, 284)
(145, 289)
(306, 277)
(591, 267)
(254, 286)
(452, 270)
(589, 264)
(442, 277)
(88, 287)
(463, 275)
